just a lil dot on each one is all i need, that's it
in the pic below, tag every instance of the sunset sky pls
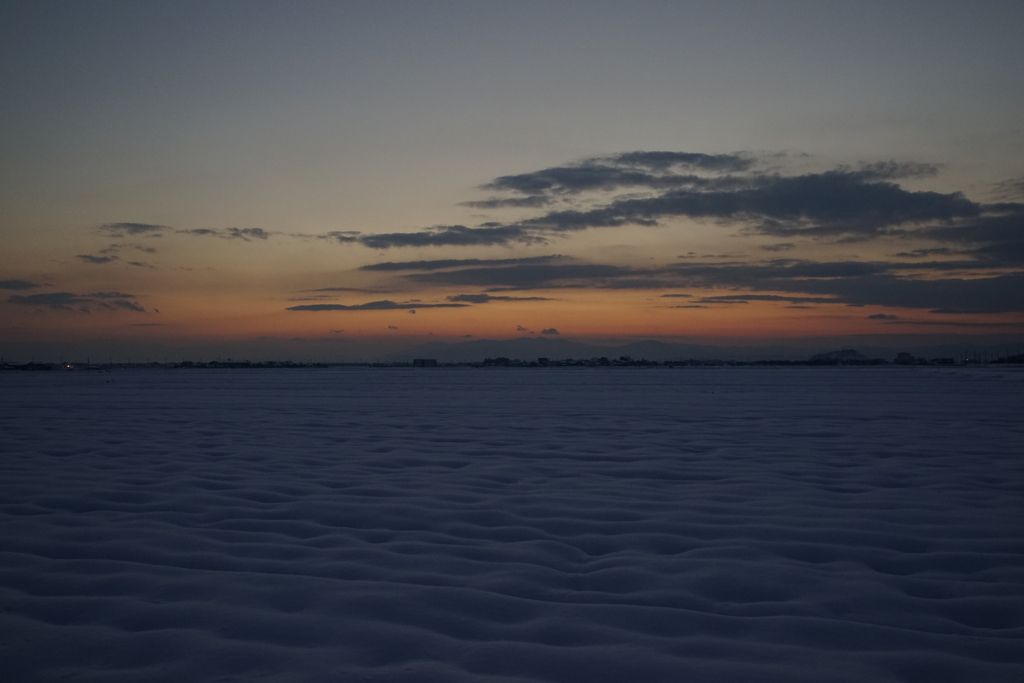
(334, 179)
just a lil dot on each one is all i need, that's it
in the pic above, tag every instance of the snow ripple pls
(513, 525)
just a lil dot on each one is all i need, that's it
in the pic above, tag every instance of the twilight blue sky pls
(222, 162)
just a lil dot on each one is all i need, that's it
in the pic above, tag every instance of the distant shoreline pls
(66, 366)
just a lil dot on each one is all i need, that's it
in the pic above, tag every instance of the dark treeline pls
(846, 358)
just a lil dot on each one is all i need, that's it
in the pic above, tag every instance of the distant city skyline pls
(329, 180)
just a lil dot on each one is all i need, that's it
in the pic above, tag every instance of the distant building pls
(424, 363)
(836, 357)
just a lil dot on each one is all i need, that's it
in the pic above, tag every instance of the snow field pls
(513, 525)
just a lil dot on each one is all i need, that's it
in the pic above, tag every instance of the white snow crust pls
(513, 525)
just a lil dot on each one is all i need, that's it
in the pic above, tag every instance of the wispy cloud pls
(452, 235)
(373, 306)
(122, 229)
(67, 301)
(487, 298)
(54, 300)
(441, 264)
(244, 234)
(747, 298)
(96, 260)
(17, 284)
(523, 276)
(530, 202)
(361, 290)
(1012, 189)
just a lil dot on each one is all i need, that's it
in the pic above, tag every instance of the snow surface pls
(549, 524)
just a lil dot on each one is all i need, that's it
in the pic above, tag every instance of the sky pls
(333, 180)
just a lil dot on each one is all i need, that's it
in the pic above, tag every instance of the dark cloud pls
(664, 160)
(996, 239)
(486, 298)
(747, 298)
(67, 301)
(245, 234)
(89, 258)
(460, 263)
(451, 235)
(624, 283)
(522, 276)
(17, 284)
(139, 264)
(893, 170)
(792, 281)
(847, 203)
(861, 283)
(677, 296)
(122, 229)
(952, 323)
(343, 236)
(531, 202)
(574, 179)
(922, 253)
(1000, 294)
(345, 289)
(739, 192)
(834, 203)
(756, 274)
(115, 304)
(629, 169)
(608, 217)
(372, 306)
(54, 300)
(557, 276)
(883, 316)
(550, 331)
